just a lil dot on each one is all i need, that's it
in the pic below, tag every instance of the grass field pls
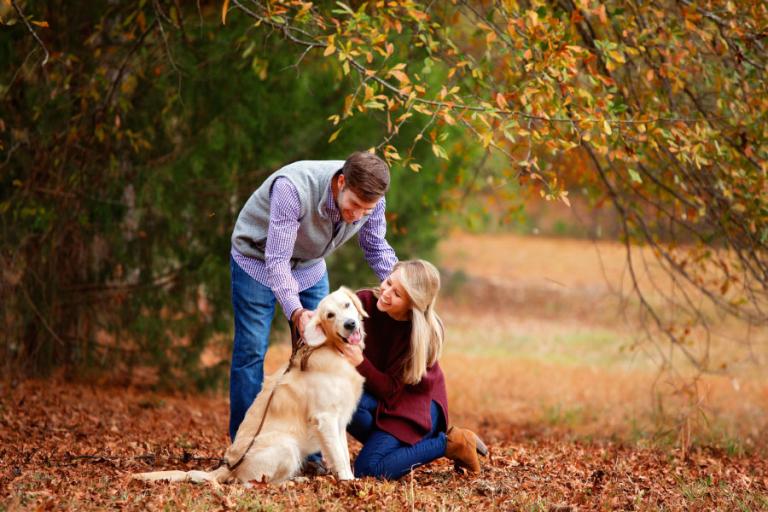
(540, 359)
(561, 345)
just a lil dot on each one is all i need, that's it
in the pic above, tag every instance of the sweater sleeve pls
(382, 385)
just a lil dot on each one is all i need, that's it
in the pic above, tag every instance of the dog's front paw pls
(345, 476)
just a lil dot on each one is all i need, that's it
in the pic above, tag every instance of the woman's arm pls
(383, 385)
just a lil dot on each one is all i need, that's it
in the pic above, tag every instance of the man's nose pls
(350, 324)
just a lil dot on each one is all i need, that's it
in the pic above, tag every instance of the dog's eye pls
(330, 315)
(346, 306)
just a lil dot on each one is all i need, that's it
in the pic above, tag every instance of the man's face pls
(352, 207)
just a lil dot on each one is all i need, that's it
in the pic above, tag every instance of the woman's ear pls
(356, 301)
(313, 332)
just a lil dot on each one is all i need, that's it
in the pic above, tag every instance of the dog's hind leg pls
(275, 460)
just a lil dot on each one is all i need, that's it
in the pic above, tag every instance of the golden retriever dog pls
(302, 408)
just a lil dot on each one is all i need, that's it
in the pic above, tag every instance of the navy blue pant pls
(385, 456)
(254, 306)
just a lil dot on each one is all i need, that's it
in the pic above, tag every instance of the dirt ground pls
(539, 359)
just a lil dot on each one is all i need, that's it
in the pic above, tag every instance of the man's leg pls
(311, 297)
(254, 306)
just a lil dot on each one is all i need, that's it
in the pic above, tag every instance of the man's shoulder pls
(314, 166)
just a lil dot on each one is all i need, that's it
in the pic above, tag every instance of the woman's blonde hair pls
(421, 281)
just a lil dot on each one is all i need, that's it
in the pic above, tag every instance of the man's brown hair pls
(367, 175)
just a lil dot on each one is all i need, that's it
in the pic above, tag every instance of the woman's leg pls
(363, 420)
(384, 456)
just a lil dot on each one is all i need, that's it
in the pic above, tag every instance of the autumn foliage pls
(662, 103)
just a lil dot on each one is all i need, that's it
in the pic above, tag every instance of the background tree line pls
(128, 153)
(126, 158)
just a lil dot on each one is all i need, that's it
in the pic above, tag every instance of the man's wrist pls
(296, 314)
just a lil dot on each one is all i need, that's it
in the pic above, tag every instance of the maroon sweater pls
(404, 409)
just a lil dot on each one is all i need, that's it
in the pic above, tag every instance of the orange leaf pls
(224, 8)
(600, 11)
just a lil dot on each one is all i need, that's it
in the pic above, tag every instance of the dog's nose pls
(350, 324)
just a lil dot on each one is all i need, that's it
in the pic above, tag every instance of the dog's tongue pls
(354, 338)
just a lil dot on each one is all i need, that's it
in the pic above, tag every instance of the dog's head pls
(338, 319)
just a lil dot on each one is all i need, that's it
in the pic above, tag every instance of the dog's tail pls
(216, 476)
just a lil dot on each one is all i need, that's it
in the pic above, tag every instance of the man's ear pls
(356, 301)
(313, 332)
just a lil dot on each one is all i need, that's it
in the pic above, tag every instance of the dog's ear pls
(356, 301)
(314, 336)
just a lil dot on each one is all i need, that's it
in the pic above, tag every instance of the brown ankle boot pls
(463, 447)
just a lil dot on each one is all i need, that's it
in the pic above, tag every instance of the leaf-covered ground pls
(73, 446)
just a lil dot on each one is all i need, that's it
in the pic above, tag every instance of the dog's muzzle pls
(355, 338)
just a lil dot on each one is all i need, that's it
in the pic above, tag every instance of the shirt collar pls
(330, 205)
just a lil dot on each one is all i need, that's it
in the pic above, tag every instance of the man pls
(299, 215)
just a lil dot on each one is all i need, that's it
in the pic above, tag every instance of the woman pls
(402, 416)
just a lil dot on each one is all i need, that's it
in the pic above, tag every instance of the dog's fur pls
(309, 410)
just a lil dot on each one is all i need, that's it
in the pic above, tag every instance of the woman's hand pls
(352, 353)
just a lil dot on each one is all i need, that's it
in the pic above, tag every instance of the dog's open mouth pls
(353, 339)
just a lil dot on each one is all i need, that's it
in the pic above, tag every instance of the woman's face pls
(393, 300)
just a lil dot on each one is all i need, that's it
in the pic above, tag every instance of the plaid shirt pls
(276, 273)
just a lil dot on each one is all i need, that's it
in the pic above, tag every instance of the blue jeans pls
(254, 306)
(385, 456)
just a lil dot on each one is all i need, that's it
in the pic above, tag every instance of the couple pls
(300, 214)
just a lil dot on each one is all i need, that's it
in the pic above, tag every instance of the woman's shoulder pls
(367, 297)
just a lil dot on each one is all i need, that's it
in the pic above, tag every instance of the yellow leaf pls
(329, 50)
(224, 8)
(607, 127)
(501, 101)
(334, 135)
(617, 56)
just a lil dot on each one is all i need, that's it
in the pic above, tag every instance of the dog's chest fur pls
(335, 382)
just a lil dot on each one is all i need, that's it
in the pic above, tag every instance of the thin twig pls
(32, 31)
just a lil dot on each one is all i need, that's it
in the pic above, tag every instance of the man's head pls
(363, 181)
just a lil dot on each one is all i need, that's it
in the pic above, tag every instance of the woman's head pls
(410, 291)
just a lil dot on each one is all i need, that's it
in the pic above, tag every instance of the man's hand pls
(352, 353)
(300, 317)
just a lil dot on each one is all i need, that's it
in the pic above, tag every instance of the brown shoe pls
(463, 447)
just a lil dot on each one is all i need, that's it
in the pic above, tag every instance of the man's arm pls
(379, 254)
(284, 213)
